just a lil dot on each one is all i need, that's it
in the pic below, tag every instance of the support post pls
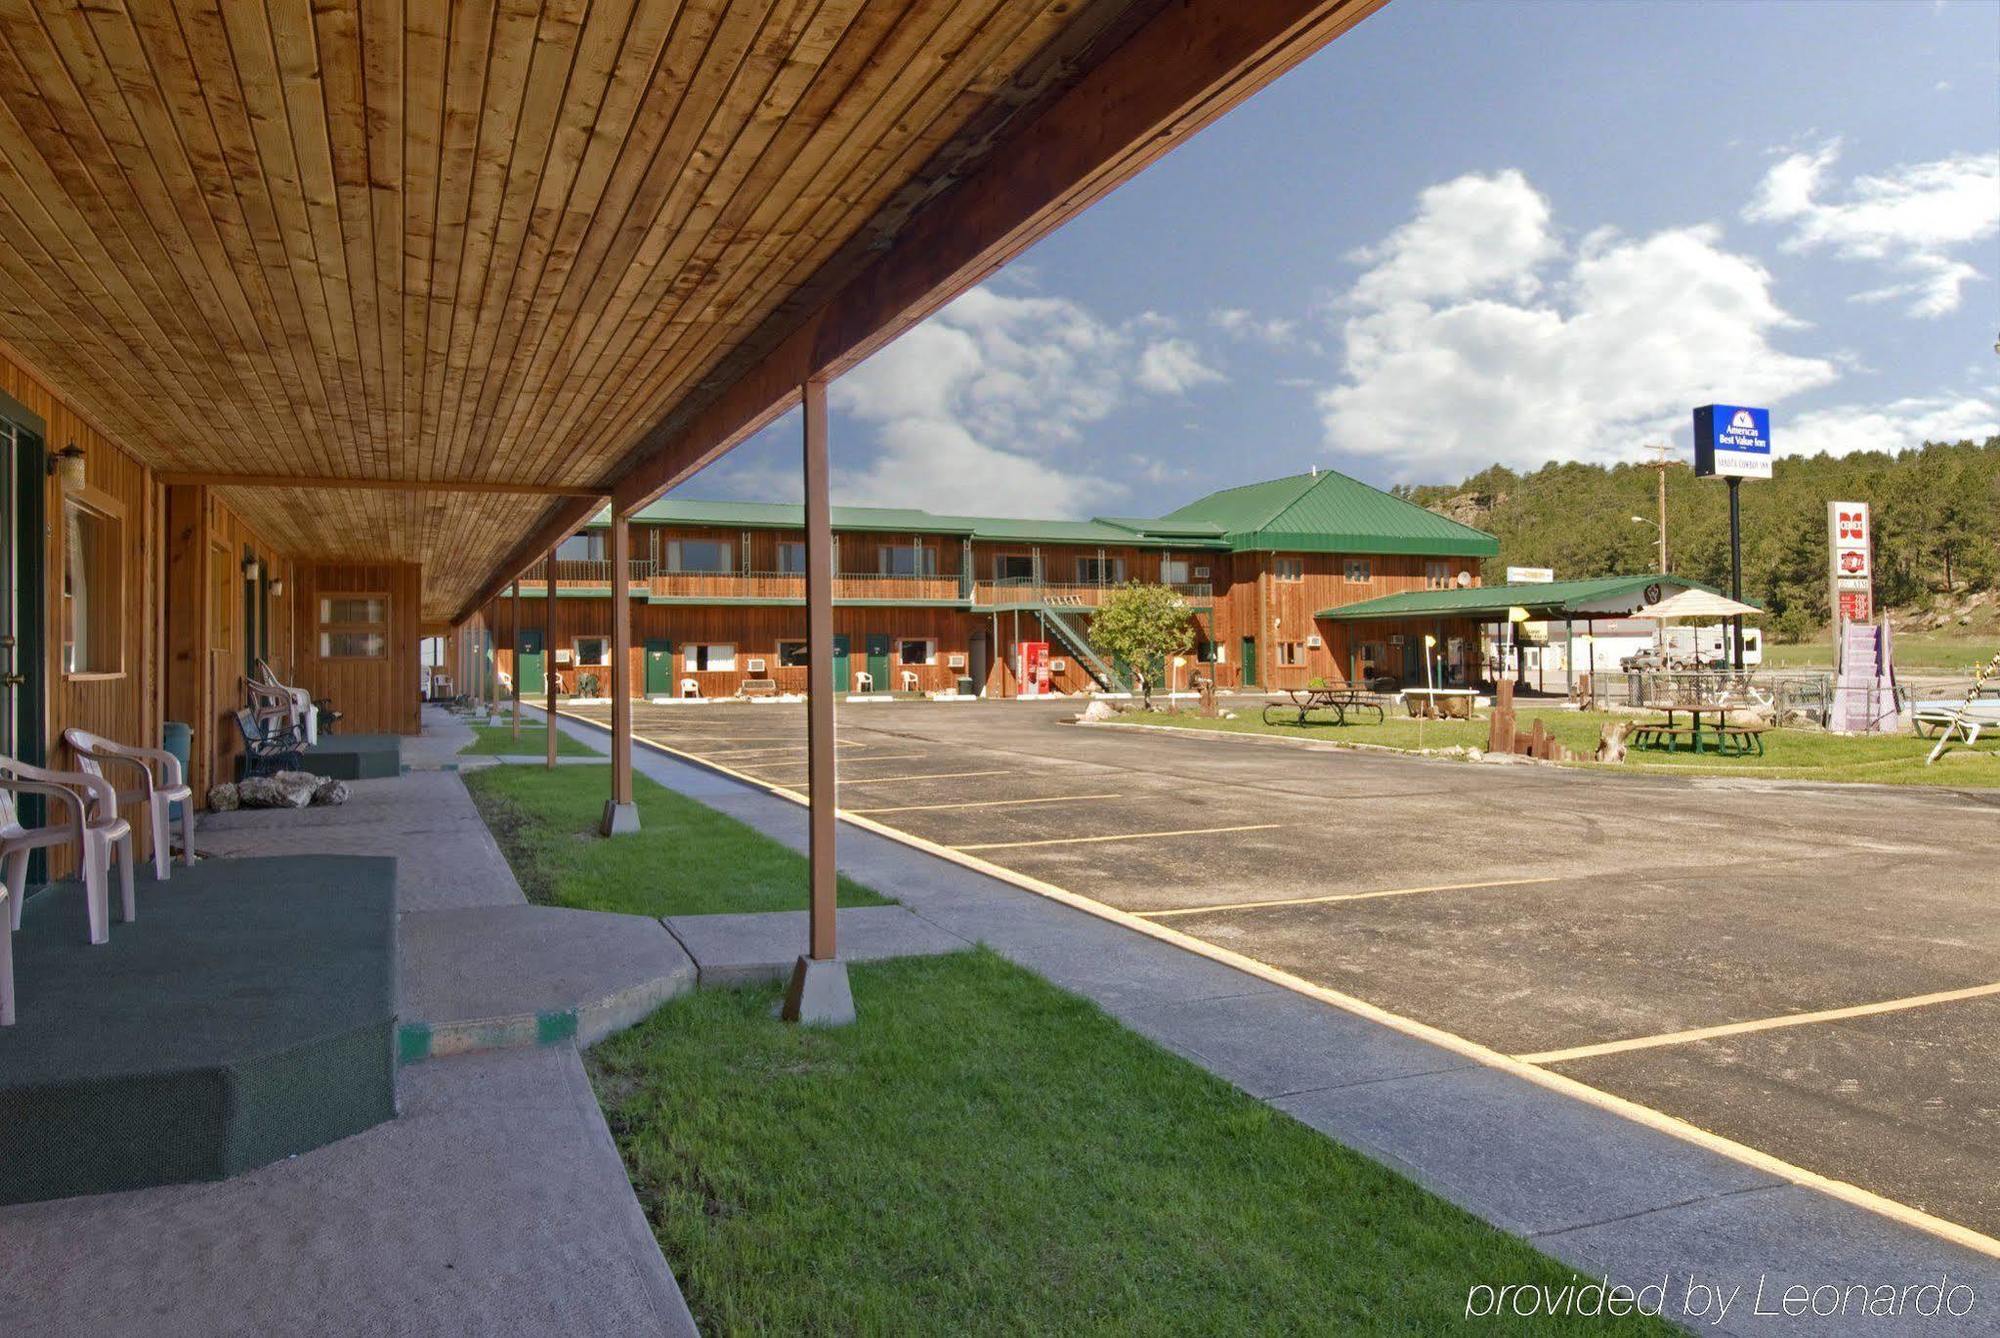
(1736, 571)
(491, 668)
(549, 653)
(514, 631)
(819, 990)
(621, 814)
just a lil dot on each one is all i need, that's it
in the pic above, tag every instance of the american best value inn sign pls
(1731, 441)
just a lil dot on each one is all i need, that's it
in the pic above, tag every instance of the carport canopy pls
(1552, 601)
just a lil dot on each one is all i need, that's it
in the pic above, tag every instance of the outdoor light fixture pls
(66, 465)
(251, 570)
(278, 589)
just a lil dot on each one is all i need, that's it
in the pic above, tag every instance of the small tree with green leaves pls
(1145, 626)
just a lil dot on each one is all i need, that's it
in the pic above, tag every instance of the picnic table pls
(1338, 699)
(1726, 737)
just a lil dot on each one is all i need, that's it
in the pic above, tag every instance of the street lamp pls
(1642, 520)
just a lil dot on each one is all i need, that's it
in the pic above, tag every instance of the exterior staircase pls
(1864, 687)
(1078, 644)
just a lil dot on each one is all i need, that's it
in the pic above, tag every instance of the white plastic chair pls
(864, 681)
(910, 680)
(160, 793)
(690, 688)
(303, 710)
(94, 828)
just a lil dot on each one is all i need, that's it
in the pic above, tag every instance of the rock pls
(1229, 715)
(1611, 742)
(330, 791)
(287, 789)
(1475, 754)
(223, 798)
(1099, 710)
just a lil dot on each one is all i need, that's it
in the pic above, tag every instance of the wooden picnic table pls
(1340, 700)
(1720, 732)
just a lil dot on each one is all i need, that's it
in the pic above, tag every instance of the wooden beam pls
(1183, 68)
(549, 653)
(387, 485)
(822, 879)
(514, 647)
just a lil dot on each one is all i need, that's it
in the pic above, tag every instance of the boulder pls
(1611, 742)
(223, 798)
(330, 791)
(287, 789)
(1099, 710)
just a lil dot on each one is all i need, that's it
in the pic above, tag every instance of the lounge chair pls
(93, 826)
(159, 791)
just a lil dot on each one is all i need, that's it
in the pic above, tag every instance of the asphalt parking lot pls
(1759, 961)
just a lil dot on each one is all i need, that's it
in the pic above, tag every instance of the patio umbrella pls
(1695, 604)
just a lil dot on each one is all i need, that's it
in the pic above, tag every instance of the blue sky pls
(1479, 231)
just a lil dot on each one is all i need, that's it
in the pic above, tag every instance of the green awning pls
(1602, 597)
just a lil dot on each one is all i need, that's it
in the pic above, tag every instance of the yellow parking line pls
(986, 803)
(1125, 836)
(928, 775)
(1761, 1024)
(1341, 896)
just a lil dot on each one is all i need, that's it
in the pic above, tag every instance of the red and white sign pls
(1852, 568)
(1036, 679)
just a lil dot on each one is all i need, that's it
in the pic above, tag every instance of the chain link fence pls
(1795, 698)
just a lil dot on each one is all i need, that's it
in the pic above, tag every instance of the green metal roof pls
(1327, 512)
(1549, 600)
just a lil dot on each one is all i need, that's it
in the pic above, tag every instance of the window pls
(593, 650)
(916, 650)
(1437, 575)
(1288, 569)
(698, 555)
(1014, 567)
(1370, 658)
(1100, 571)
(584, 546)
(702, 657)
(353, 627)
(1173, 571)
(1358, 569)
(1291, 654)
(792, 655)
(912, 560)
(93, 613)
(792, 557)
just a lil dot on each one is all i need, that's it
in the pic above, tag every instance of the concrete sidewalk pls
(496, 1203)
(1598, 1191)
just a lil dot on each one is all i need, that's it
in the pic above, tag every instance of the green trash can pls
(178, 739)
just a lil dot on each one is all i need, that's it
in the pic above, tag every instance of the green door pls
(659, 668)
(842, 684)
(878, 661)
(528, 658)
(1249, 660)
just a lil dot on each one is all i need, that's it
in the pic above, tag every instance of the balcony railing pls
(586, 571)
(1025, 590)
(792, 585)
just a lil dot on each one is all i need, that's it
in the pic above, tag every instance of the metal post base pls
(619, 819)
(818, 994)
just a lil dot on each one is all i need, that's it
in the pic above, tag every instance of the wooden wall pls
(375, 696)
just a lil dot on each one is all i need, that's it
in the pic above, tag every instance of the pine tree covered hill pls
(1936, 511)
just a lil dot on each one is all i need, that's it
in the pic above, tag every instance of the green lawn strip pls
(985, 1153)
(499, 741)
(685, 859)
(1789, 754)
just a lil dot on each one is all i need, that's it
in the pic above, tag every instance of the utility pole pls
(1659, 464)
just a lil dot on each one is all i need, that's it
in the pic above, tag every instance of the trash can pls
(177, 737)
(964, 685)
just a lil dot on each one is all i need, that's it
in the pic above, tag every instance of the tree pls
(1142, 625)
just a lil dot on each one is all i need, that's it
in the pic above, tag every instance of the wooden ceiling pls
(486, 240)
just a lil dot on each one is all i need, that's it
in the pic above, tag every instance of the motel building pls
(931, 604)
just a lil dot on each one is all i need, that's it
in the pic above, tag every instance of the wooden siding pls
(378, 695)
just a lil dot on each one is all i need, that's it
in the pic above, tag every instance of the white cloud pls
(1897, 426)
(1476, 336)
(1910, 220)
(1239, 323)
(1174, 367)
(985, 406)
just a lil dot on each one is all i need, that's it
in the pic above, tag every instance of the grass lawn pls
(985, 1153)
(1789, 754)
(1928, 652)
(499, 741)
(685, 859)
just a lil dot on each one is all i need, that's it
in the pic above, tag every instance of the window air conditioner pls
(756, 666)
(954, 661)
(562, 655)
(1314, 643)
(1396, 640)
(1201, 573)
(1058, 666)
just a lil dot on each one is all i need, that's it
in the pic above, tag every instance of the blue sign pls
(1731, 441)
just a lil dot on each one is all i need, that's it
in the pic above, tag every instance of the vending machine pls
(1036, 680)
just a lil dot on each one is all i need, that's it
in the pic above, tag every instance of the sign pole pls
(1736, 569)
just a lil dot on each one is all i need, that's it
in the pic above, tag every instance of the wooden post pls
(549, 652)
(491, 668)
(514, 632)
(621, 815)
(819, 990)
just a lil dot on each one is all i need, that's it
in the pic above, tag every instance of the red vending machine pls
(1035, 679)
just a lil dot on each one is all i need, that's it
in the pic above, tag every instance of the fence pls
(1789, 696)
